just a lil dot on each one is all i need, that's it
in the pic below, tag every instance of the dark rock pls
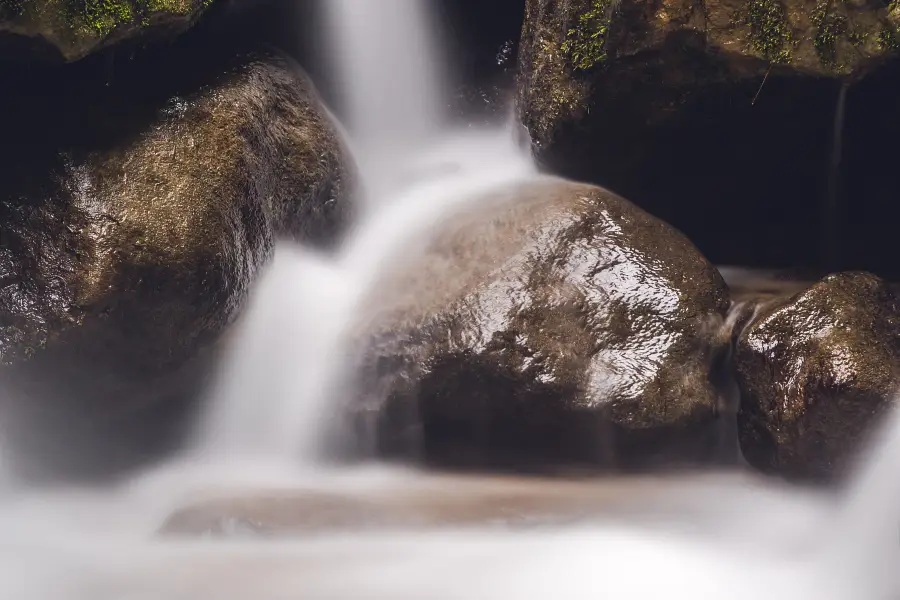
(557, 324)
(68, 30)
(815, 371)
(133, 223)
(727, 103)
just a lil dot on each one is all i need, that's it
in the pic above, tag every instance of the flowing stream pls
(250, 512)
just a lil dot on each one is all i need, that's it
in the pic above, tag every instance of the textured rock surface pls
(556, 323)
(815, 371)
(727, 103)
(72, 29)
(564, 43)
(133, 226)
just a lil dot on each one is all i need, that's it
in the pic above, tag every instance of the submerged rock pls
(816, 371)
(726, 103)
(71, 29)
(554, 324)
(135, 221)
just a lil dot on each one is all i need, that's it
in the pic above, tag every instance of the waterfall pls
(832, 190)
(268, 414)
(282, 381)
(391, 80)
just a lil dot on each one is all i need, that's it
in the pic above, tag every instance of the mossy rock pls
(71, 29)
(690, 109)
(567, 43)
(816, 371)
(555, 325)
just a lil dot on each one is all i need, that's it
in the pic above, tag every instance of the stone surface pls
(816, 371)
(565, 43)
(71, 29)
(695, 110)
(430, 503)
(135, 219)
(555, 323)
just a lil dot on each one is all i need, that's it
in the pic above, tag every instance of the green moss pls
(90, 18)
(858, 38)
(563, 97)
(770, 32)
(585, 44)
(830, 26)
(11, 8)
(102, 16)
(889, 39)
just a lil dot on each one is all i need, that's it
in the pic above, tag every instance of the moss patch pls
(11, 8)
(830, 26)
(564, 97)
(889, 39)
(770, 32)
(103, 16)
(585, 43)
(96, 18)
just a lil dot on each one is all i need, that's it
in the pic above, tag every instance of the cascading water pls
(723, 539)
(414, 172)
(388, 65)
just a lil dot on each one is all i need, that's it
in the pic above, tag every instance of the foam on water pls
(262, 432)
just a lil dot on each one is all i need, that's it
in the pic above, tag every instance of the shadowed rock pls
(815, 371)
(552, 323)
(690, 109)
(133, 225)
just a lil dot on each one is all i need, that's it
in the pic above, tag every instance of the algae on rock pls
(72, 29)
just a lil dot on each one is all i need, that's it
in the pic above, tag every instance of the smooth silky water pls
(293, 527)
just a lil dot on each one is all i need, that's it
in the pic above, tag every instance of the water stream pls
(296, 528)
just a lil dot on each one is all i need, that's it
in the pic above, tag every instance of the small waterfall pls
(391, 78)
(832, 190)
(270, 411)
(283, 379)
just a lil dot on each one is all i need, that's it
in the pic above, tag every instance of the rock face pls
(71, 29)
(556, 324)
(134, 222)
(612, 91)
(815, 372)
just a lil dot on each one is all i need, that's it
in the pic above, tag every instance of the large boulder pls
(71, 29)
(717, 104)
(134, 221)
(555, 324)
(816, 370)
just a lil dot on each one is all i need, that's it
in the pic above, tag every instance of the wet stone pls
(817, 371)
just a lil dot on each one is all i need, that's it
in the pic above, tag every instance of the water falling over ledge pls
(259, 444)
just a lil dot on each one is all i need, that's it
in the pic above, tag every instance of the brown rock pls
(815, 371)
(695, 110)
(133, 227)
(555, 324)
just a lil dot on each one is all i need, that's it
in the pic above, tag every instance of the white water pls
(263, 433)
(386, 55)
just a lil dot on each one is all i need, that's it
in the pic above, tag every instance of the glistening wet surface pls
(715, 504)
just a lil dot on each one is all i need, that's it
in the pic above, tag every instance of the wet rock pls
(728, 103)
(815, 371)
(134, 220)
(433, 502)
(68, 30)
(555, 324)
